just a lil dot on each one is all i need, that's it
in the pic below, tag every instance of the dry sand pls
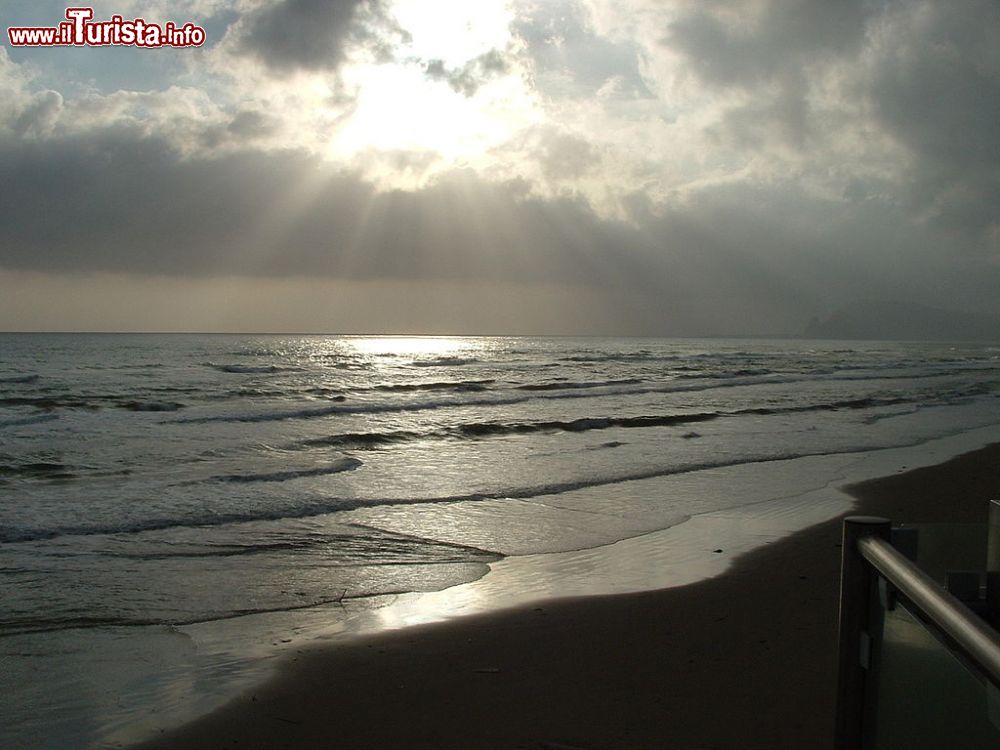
(746, 660)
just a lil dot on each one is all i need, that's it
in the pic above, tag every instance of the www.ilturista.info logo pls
(79, 30)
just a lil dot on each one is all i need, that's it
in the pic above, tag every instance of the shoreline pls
(681, 667)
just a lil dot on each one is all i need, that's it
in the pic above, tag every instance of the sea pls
(178, 511)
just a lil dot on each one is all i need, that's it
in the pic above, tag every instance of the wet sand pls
(745, 660)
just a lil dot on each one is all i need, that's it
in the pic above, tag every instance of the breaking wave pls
(346, 464)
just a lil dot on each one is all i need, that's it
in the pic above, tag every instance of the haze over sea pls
(175, 507)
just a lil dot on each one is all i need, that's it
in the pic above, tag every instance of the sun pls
(400, 107)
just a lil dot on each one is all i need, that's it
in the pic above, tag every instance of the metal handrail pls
(968, 631)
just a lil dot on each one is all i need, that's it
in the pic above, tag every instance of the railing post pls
(858, 596)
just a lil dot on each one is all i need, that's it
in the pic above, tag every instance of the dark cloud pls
(936, 89)
(740, 45)
(782, 116)
(928, 72)
(314, 34)
(770, 52)
(467, 79)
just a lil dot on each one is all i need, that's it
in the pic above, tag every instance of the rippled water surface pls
(158, 481)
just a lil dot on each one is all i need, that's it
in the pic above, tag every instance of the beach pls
(746, 659)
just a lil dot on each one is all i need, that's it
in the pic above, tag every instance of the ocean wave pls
(445, 362)
(151, 405)
(364, 440)
(319, 412)
(916, 373)
(222, 550)
(89, 402)
(41, 470)
(129, 366)
(487, 429)
(49, 403)
(745, 372)
(478, 430)
(569, 386)
(338, 363)
(252, 369)
(19, 379)
(270, 416)
(640, 356)
(346, 464)
(853, 403)
(724, 383)
(460, 386)
(238, 393)
(25, 421)
(327, 394)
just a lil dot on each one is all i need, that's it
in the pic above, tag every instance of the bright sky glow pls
(455, 127)
(454, 31)
(400, 108)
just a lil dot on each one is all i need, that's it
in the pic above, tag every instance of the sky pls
(608, 167)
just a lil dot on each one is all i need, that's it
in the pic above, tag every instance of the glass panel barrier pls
(946, 547)
(925, 697)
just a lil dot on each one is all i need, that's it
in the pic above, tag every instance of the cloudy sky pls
(666, 167)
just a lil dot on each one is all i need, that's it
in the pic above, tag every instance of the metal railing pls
(873, 575)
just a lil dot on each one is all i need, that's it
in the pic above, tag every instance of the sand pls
(745, 660)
